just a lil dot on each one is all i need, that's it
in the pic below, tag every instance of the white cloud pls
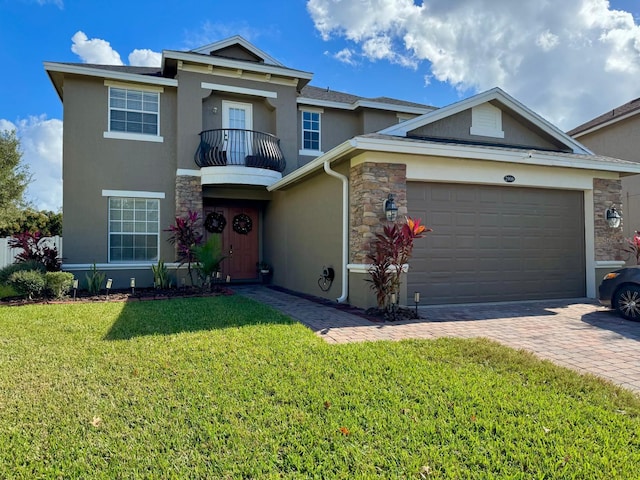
(346, 55)
(95, 50)
(145, 58)
(41, 145)
(568, 61)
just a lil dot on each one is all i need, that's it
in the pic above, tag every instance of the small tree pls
(36, 247)
(186, 236)
(14, 177)
(392, 250)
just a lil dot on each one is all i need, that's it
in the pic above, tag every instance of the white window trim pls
(308, 151)
(131, 194)
(241, 90)
(141, 137)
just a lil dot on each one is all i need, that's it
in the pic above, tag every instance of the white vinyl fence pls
(7, 255)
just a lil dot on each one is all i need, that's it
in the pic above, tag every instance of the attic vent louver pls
(486, 120)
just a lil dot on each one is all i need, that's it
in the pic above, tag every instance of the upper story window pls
(311, 132)
(134, 113)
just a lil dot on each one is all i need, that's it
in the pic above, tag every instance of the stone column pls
(370, 184)
(188, 195)
(608, 241)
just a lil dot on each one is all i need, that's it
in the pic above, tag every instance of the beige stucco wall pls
(303, 233)
(93, 163)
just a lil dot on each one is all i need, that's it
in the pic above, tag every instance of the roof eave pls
(96, 72)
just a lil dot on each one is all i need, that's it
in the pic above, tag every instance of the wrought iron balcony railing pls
(237, 147)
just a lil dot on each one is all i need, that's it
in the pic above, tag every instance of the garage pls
(496, 243)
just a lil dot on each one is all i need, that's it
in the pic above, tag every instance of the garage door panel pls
(496, 243)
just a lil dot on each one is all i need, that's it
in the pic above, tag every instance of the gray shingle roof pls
(614, 114)
(317, 93)
(148, 71)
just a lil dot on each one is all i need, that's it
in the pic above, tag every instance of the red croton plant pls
(391, 251)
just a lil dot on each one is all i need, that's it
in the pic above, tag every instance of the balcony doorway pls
(240, 240)
(238, 118)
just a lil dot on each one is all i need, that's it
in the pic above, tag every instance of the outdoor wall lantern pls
(613, 217)
(390, 208)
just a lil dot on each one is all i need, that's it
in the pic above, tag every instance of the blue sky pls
(568, 61)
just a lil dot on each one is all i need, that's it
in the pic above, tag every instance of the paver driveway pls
(577, 334)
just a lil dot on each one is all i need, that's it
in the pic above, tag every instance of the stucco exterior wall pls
(515, 133)
(621, 140)
(93, 163)
(303, 234)
(277, 116)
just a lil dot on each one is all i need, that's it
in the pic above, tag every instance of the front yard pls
(227, 388)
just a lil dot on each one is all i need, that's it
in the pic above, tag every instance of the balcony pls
(235, 156)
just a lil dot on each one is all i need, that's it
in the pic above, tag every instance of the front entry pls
(239, 240)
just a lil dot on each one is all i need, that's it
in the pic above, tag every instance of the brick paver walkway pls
(577, 334)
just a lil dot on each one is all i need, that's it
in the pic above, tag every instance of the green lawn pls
(227, 388)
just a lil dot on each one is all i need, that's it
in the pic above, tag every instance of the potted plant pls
(265, 271)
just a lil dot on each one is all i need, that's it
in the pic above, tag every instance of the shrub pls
(58, 284)
(36, 247)
(209, 258)
(28, 283)
(392, 250)
(95, 279)
(186, 236)
(6, 272)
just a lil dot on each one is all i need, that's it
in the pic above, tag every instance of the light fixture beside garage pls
(390, 208)
(614, 219)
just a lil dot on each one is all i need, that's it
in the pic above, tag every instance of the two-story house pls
(297, 176)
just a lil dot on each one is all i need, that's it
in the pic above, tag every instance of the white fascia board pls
(535, 158)
(241, 90)
(362, 104)
(526, 157)
(494, 94)
(237, 40)
(237, 64)
(97, 72)
(606, 124)
(316, 164)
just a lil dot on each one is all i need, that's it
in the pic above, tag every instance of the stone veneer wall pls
(370, 184)
(188, 195)
(608, 241)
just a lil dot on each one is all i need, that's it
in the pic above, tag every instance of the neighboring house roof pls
(325, 97)
(617, 114)
(394, 143)
(494, 95)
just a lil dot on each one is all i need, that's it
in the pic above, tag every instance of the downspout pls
(345, 229)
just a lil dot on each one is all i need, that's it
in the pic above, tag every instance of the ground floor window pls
(134, 229)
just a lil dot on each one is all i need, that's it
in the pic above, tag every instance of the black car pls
(621, 290)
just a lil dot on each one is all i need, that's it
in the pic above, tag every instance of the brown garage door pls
(496, 243)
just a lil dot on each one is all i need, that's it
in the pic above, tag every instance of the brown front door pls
(240, 244)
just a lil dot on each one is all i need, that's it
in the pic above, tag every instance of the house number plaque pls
(509, 178)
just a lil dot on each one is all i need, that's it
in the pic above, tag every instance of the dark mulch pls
(124, 295)
(372, 314)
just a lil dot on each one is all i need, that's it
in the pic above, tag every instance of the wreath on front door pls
(242, 224)
(215, 222)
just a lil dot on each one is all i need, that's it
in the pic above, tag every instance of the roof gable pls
(495, 97)
(230, 47)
